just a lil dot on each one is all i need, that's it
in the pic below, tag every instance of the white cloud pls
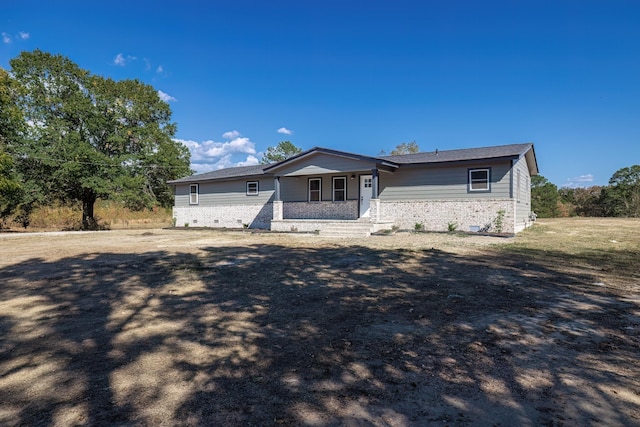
(165, 96)
(159, 69)
(285, 131)
(122, 61)
(579, 181)
(23, 35)
(251, 161)
(6, 38)
(212, 155)
(233, 134)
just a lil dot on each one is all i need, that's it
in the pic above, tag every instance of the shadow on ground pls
(273, 335)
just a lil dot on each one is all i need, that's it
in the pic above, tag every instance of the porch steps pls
(347, 229)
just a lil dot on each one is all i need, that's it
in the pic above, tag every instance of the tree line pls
(67, 135)
(621, 198)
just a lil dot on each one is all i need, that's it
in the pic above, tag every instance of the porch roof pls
(316, 150)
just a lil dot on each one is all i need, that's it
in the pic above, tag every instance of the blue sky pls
(364, 76)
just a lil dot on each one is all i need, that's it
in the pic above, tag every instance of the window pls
(479, 180)
(193, 194)
(339, 189)
(315, 187)
(252, 188)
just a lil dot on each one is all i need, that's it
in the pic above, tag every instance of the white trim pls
(255, 192)
(488, 179)
(343, 189)
(319, 189)
(194, 196)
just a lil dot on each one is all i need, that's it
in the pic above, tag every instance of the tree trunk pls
(88, 201)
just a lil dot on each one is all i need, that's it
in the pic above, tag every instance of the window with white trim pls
(339, 188)
(252, 188)
(315, 189)
(193, 194)
(479, 179)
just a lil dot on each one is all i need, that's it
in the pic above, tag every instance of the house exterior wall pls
(435, 215)
(443, 182)
(223, 193)
(433, 195)
(522, 194)
(225, 204)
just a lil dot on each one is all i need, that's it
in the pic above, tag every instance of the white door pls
(366, 182)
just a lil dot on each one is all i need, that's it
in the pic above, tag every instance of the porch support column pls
(375, 201)
(277, 188)
(374, 183)
(278, 208)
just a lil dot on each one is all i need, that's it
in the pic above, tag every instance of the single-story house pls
(475, 189)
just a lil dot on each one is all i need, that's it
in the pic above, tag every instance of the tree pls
(405, 148)
(544, 197)
(10, 128)
(622, 197)
(282, 151)
(90, 137)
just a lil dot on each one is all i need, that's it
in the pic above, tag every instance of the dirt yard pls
(200, 327)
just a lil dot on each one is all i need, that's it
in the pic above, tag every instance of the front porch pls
(328, 190)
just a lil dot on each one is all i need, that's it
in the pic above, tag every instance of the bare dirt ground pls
(201, 327)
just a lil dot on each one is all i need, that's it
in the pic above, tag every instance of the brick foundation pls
(321, 210)
(469, 215)
(232, 216)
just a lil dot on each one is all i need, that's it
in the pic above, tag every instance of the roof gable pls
(306, 158)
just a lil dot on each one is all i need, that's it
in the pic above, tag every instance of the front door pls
(366, 182)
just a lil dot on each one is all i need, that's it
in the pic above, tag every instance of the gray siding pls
(321, 164)
(226, 193)
(440, 182)
(522, 191)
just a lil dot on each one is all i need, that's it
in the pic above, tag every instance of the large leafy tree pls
(544, 197)
(622, 196)
(280, 152)
(90, 137)
(10, 128)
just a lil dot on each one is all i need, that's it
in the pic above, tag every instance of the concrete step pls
(347, 229)
(345, 236)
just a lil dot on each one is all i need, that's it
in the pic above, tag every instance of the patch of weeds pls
(499, 221)
(452, 226)
(418, 226)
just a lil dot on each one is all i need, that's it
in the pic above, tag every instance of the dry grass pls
(609, 248)
(109, 214)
